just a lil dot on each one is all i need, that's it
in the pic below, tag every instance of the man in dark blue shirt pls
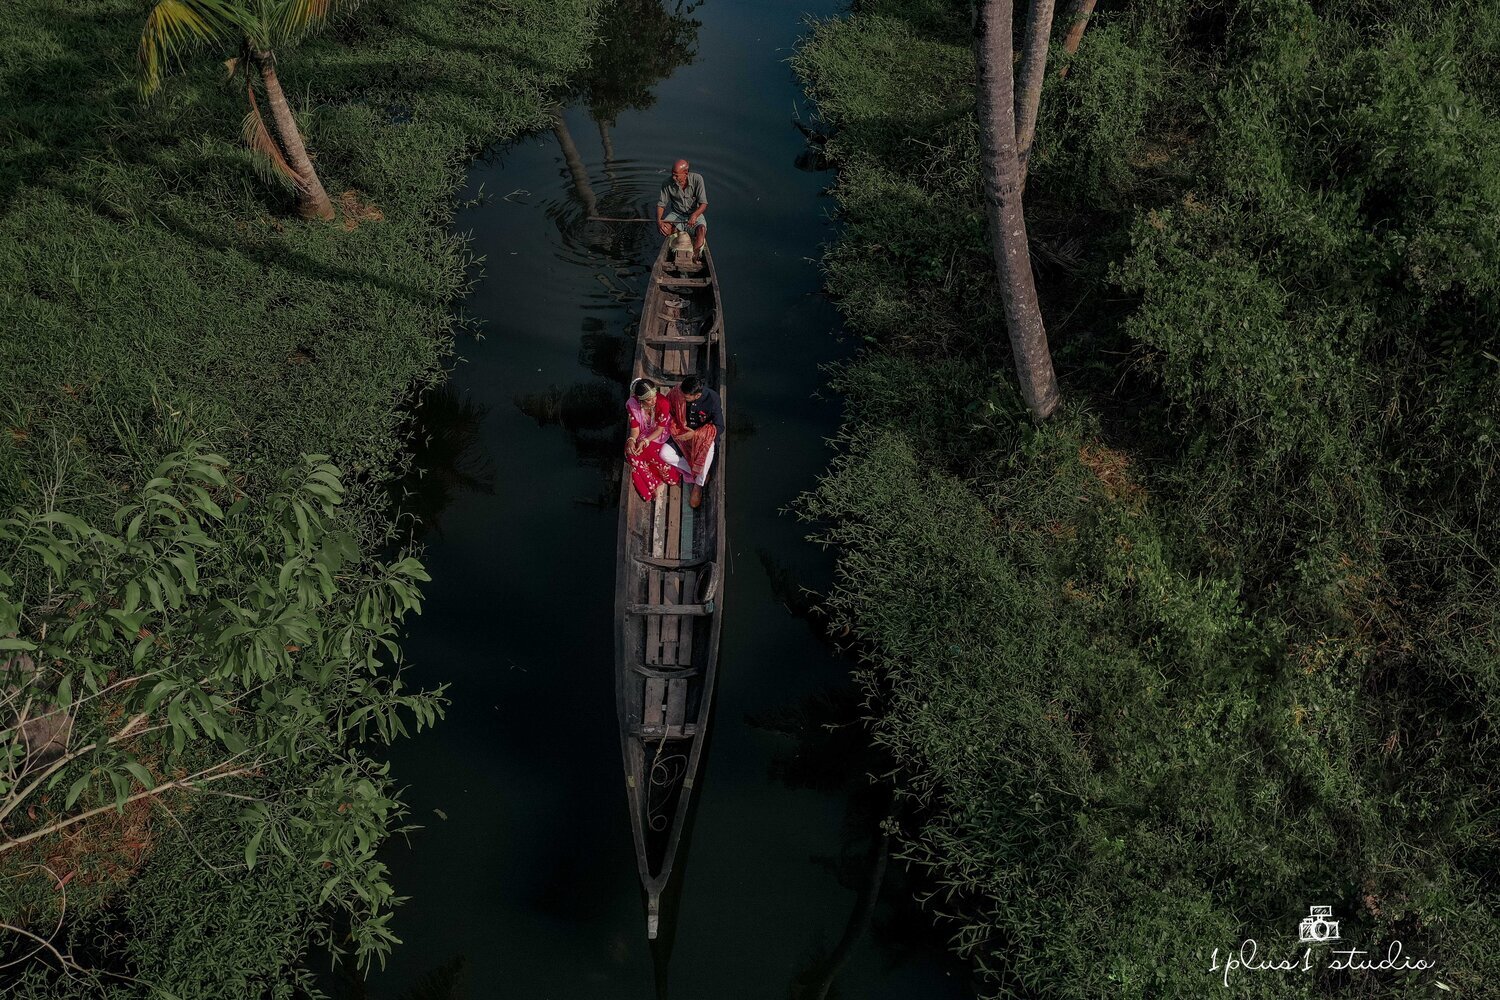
(703, 406)
(697, 425)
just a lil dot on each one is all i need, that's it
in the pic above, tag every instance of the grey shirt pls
(683, 200)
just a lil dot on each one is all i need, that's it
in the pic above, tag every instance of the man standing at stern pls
(681, 206)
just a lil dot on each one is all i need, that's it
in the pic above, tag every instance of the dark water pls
(528, 888)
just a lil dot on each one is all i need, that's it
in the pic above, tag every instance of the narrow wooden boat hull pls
(669, 585)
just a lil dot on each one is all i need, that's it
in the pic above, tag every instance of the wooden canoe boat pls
(669, 583)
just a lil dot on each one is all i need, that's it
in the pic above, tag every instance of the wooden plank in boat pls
(671, 589)
(653, 622)
(670, 341)
(657, 372)
(671, 732)
(658, 527)
(665, 563)
(667, 672)
(671, 593)
(667, 279)
(685, 626)
(651, 710)
(689, 518)
(673, 542)
(676, 702)
(669, 610)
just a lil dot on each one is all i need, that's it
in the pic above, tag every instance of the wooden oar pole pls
(605, 218)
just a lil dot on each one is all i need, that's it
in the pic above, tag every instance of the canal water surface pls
(522, 881)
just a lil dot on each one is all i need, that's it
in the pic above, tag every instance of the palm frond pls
(173, 27)
(297, 17)
(264, 153)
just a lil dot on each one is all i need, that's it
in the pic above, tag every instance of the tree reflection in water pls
(448, 458)
(640, 43)
(442, 982)
(592, 415)
(830, 753)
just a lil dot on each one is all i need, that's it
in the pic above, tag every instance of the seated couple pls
(672, 432)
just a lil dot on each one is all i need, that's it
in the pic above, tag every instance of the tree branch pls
(42, 942)
(201, 778)
(62, 913)
(66, 962)
(16, 798)
(189, 840)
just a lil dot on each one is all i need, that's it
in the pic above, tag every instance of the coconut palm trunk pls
(312, 201)
(1029, 82)
(1002, 194)
(606, 141)
(580, 173)
(1078, 19)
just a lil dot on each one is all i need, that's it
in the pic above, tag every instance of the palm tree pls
(1078, 19)
(1002, 195)
(258, 28)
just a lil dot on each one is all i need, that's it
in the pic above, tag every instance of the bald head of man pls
(680, 171)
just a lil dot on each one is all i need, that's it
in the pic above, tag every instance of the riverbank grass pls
(142, 258)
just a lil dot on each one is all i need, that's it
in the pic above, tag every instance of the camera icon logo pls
(1318, 925)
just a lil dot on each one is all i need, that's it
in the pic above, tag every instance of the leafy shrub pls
(197, 645)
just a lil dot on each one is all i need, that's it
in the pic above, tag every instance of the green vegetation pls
(256, 32)
(144, 260)
(195, 651)
(159, 299)
(1220, 641)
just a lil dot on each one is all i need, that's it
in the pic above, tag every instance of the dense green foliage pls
(1221, 642)
(192, 929)
(155, 293)
(201, 641)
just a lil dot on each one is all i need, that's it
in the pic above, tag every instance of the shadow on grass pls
(54, 105)
(283, 258)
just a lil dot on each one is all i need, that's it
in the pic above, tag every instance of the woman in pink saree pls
(651, 456)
